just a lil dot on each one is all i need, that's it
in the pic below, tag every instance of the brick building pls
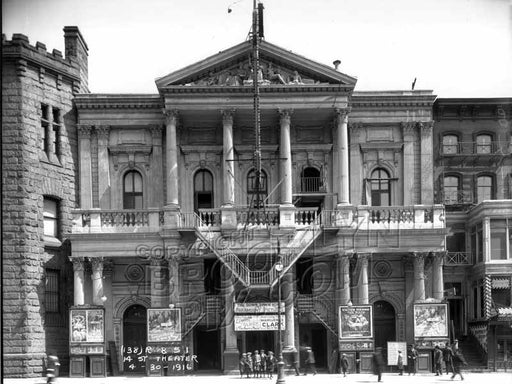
(167, 230)
(39, 191)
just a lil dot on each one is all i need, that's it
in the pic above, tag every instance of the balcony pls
(312, 185)
(112, 221)
(457, 258)
(474, 152)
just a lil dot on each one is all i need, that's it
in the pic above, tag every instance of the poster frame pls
(366, 310)
(420, 310)
(155, 336)
(83, 329)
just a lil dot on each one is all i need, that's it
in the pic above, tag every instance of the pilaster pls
(97, 280)
(419, 276)
(78, 280)
(103, 132)
(85, 171)
(171, 121)
(155, 199)
(427, 163)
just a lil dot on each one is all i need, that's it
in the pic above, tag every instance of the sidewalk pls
(470, 378)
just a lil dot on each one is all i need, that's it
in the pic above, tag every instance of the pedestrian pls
(52, 366)
(378, 363)
(400, 363)
(458, 361)
(438, 360)
(310, 362)
(242, 364)
(447, 357)
(257, 363)
(455, 346)
(250, 364)
(333, 361)
(271, 363)
(296, 363)
(263, 366)
(412, 355)
(344, 364)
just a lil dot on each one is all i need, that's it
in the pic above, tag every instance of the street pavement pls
(469, 378)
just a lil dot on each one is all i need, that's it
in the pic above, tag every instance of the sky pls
(457, 48)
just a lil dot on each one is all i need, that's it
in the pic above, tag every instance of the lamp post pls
(280, 363)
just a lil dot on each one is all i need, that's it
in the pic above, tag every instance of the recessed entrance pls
(134, 335)
(258, 340)
(206, 347)
(384, 325)
(314, 336)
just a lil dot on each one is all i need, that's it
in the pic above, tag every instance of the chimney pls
(76, 50)
(336, 64)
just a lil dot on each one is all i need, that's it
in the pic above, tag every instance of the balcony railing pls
(252, 217)
(457, 258)
(311, 184)
(306, 216)
(456, 197)
(464, 148)
(111, 221)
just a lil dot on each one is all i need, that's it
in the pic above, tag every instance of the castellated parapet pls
(39, 156)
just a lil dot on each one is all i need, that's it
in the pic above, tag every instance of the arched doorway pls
(134, 335)
(384, 323)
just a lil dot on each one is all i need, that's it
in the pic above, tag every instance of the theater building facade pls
(173, 247)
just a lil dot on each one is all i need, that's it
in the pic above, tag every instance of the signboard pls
(430, 320)
(355, 322)
(258, 322)
(87, 325)
(393, 348)
(164, 324)
(258, 307)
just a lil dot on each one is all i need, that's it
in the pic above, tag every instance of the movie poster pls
(355, 322)
(164, 324)
(430, 320)
(87, 326)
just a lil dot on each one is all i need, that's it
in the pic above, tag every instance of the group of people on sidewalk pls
(257, 364)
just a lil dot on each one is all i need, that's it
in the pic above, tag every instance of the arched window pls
(484, 188)
(310, 180)
(451, 190)
(484, 144)
(203, 190)
(380, 188)
(255, 195)
(132, 190)
(450, 144)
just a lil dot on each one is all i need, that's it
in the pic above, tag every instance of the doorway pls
(384, 325)
(258, 340)
(207, 348)
(134, 336)
(456, 308)
(314, 336)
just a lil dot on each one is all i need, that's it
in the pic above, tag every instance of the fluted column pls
(97, 280)
(103, 167)
(427, 163)
(285, 153)
(343, 154)
(408, 133)
(419, 276)
(437, 276)
(156, 192)
(157, 282)
(78, 280)
(171, 120)
(343, 279)
(363, 279)
(228, 157)
(174, 279)
(85, 171)
(288, 289)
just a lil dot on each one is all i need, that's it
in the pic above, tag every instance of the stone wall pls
(31, 77)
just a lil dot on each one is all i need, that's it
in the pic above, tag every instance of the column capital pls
(227, 116)
(156, 261)
(426, 128)
(171, 116)
(342, 113)
(78, 263)
(96, 263)
(156, 131)
(285, 114)
(408, 127)
(103, 131)
(84, 131)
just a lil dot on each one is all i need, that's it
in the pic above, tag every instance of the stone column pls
(228, 157)
(230, 351)
(288, 291)
(97, 280)
(427, 163)
(437, 275)
(78, 280)
(156, 192)
(342, 280)
(408, 133)
(157, 282)
(171, 120)
(103, 167)
(84, 154)
(285, 153)
(419, 276)
(363, 279)
(174, 279)
(343, 153)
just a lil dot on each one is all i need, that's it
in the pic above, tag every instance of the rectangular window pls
(456, 242)
(51, 295)
(479, 243)
(304, 272)
(45, 126)
(51, 217)
(56, 131)
(212, 279)
(498, 239)
(482, 300)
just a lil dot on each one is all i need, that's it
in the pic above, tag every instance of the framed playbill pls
(430, 320)
(355, 321)
(164, 324)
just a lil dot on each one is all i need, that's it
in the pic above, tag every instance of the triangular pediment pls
(233, 68)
